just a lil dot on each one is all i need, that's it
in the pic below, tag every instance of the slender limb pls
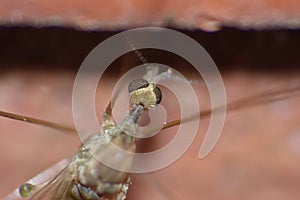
(37, 121)
(107, 119)
(265, 97)
(108, 109)
(107, 115)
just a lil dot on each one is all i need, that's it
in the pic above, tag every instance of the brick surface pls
(117, 14)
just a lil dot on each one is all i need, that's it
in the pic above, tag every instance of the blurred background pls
(255, 45)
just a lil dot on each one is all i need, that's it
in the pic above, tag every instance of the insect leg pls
(37, 121)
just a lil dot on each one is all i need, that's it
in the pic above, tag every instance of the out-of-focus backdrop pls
(255, 45)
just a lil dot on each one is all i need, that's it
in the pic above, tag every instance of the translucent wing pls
(58, 188)
(41, 178)
(54, 184)
(55, 189)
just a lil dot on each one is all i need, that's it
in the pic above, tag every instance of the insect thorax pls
(92, 177)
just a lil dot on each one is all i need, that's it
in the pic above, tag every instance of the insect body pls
(85, 178)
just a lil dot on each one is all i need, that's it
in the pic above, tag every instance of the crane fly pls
(67, 185)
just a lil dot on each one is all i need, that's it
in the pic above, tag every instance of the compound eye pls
(137, 84)
(158, 95)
